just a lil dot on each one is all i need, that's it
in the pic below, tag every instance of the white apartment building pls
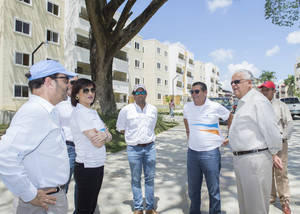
(212, 79)
(24, 25)
(156, 67)
(182, 69)
(77, 50)
(199, 75)
(281, 91)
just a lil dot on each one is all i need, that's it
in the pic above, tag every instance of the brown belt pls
(248, 152)
(144, 144)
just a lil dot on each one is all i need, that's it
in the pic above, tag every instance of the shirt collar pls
(248, 96)
(138, 107)
(43, 102)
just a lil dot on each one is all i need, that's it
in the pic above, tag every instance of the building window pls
(137, 81)
(52, 36)
(22, 59)
(52, 8)
(158, 65)
(166, 82)
(158, 81)
(136, 63)
(158, 50)
(26, 1)
(158, 96)
(137, 45)
(166, 68)
(22, 27)
(20, 91)
(143, 64)
(166, 53)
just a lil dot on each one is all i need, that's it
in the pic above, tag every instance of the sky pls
(232, 34)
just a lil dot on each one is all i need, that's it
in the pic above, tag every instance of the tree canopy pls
(282, 12)
(267, 75)
(290, 83)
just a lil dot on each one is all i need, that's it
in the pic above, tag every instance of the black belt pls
(249, 151)
(58, 188)
(144, 144)
(70, 143)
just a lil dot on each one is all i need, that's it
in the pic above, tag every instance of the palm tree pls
(290, 83)
(267, 76)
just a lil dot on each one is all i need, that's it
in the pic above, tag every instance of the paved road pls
(171, 187)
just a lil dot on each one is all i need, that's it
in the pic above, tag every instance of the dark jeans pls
(207, 163)
(88, 181)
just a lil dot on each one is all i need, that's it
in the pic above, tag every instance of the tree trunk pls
(102, 76)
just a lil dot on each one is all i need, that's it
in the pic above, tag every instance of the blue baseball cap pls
(46, 68)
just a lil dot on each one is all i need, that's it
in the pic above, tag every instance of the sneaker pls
(138, 212)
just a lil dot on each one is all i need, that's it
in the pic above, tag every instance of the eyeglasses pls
(65, 78)
(87, 90)
(140, 93)
(197, 91)
(236, 82)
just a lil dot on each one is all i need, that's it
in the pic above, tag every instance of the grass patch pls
(3, 128)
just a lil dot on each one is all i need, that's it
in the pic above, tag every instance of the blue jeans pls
(72, 157)
(142, 158)
(209, 164)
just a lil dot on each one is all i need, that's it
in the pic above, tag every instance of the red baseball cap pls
(267, 84)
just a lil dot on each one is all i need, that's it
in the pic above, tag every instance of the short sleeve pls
(85, 119)
(185, 108)
(121, 122)
(223, 112)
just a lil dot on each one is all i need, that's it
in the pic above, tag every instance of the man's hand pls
(225, 142)
(42, 199)
(277, 162)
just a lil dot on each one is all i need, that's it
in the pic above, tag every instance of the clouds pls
(222, 55)
(244, 65)
(273, 51)
(293, 38)
(213, 5)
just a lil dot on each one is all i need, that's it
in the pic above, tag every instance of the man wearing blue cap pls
(34, 162)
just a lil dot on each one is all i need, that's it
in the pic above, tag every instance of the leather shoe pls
(286, 208)
(138, 212)
(151, 212)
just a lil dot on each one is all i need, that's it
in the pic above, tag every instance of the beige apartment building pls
(59, 30)
(156, 67)
(24, 25)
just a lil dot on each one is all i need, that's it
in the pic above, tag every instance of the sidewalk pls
(171, 183)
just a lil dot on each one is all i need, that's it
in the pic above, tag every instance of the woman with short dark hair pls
(90, 134)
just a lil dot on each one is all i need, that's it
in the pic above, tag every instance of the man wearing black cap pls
(137, 121)
(280, 181)
(34, 162)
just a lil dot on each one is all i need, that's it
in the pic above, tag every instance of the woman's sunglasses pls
(87, 90)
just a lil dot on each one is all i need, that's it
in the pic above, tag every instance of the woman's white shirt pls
(84, 119)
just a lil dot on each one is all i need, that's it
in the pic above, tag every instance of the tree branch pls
(124, 16)
(110, 9)
(139, 22)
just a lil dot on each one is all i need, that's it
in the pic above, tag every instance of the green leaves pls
(282, 12)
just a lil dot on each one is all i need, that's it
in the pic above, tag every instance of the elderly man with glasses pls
(255, 139)
(137, 121)
(201, 120)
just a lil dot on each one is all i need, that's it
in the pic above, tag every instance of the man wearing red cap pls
(280, 181)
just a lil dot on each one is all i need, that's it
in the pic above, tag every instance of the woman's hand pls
(97, 138)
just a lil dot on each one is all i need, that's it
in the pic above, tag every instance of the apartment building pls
(77, 50)
(212, 79)
(281, 91)
(24, 26)
(156, 67)
(199, 75)
(182, 69)
(297, 73)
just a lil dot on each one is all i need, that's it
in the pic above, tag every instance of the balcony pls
(179, 70)
(83, 54)
(120, 65)
(120, 87)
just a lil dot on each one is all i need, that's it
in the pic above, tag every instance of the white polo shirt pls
(138, 124)
(203, 123)
(83, 119)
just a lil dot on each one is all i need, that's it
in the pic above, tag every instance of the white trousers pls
(254, 180)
